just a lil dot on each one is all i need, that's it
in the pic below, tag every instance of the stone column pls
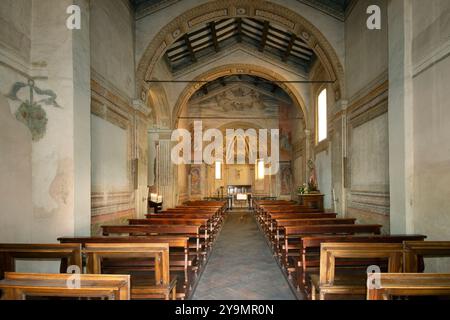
(165, 169)
(400, 116)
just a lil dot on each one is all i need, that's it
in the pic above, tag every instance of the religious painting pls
(286, 179)
(196, 181)
(236, 101)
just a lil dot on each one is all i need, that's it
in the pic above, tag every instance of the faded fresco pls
(196, 188)
(286, 179)
(237, 101)
(31, 113)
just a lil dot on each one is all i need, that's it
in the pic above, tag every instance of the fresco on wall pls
(31, 113)
(196, 181)
(286, 179)
(237, 101)
(288, 114)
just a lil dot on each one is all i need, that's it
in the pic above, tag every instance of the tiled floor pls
(241, 266)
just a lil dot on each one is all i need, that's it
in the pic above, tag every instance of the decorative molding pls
(107, 202)
(331, 9)
(369, 201)
(432, 58)
(370, 112)
(140, 106)
(376, 87)
(148, 9)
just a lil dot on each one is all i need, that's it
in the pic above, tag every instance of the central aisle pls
(241, 266)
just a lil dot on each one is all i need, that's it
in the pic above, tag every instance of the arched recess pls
(216, 10)
(157, 100)
(233, 69)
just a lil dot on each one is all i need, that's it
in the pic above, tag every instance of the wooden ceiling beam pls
(212, 27)
(239, 29)
(287, 53)
(190, 49)
(264, 36)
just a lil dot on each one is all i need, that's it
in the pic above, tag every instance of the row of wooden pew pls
(326, 257)
(161, 255)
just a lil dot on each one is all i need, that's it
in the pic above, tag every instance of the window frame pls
(319, 92)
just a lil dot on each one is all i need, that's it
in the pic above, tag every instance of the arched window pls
(322, 121)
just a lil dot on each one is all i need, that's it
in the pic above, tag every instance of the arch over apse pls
(235, 69)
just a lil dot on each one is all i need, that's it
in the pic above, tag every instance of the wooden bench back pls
(299, 222)
(314, 242)
(69, 254)
(329, 252)
(181, 215)
(151, 230)
(408, 284)
(173, 241)
(17, 286)
(169, 221)
(159, 251)
(415, 251)
(275, 216)
(333, 229)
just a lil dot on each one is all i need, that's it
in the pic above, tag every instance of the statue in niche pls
(313, 186)
(30, 111)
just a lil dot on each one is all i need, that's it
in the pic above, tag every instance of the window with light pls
(218, 170)
(322, 121)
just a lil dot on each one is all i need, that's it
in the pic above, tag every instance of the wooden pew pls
(416, 251)
(141, 287)
(351, 284)
(268, 223)
(213, 215)
(180, 260)
(192, 232)
(205, 227)
(69, 254)
(19, 286)
(264, 217)
(310, 249)
(295, 233)
(407, 285)
(277, 231)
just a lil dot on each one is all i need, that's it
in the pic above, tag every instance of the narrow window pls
(218, 170)
(260, 166)
(322, 121)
